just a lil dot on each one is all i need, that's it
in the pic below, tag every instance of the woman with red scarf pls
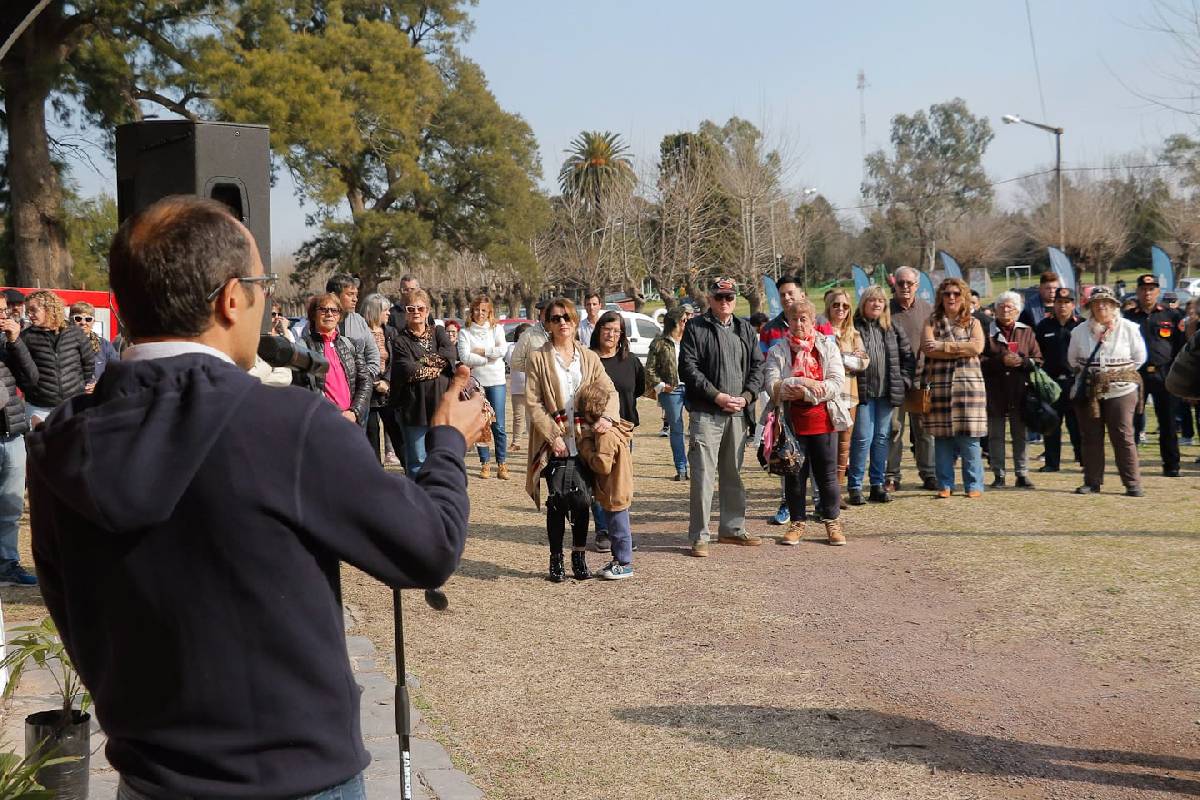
(805, 378)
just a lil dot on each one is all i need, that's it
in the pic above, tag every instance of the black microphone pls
(279, 352)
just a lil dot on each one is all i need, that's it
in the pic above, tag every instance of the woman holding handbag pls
(1105, 354)
(553, 374)
(855, 359)
(806, 379)
(952, 340)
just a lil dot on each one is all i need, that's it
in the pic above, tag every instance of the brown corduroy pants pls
(1116, 415)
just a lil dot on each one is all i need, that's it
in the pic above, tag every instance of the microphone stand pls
(438, 601)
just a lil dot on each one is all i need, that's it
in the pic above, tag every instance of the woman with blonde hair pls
(481, 346)
(881, 386)
(375, 311)
(839, 312)
(65, 360)
(952, 340)
(83, 315)
(422, 366)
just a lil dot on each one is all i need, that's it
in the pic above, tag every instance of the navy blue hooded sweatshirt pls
(187, 527)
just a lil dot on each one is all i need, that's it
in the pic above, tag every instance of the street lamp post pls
(1013, 119)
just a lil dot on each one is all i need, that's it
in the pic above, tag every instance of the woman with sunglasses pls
(553, 374)
(881, 387)
(952, 341)
(347, 384)
(83, 314)
(481, 346)
(854, 359)
(423, 361)
(64, 357)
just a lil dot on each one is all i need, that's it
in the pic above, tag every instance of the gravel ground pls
(1028, 644)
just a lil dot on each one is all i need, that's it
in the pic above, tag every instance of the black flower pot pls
(51, 733)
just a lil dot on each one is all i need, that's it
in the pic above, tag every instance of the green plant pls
(42, 645)
(18, 776)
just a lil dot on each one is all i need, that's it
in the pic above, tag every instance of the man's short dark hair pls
(340, 282)
(596, 295)
(786, 279)
(166, 259)
(1049, 276)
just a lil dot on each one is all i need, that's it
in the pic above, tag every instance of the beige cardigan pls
(543, 397)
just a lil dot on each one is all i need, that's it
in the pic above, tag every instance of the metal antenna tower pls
(862, 120)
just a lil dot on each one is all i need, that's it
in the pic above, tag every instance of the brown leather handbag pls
(918, 400)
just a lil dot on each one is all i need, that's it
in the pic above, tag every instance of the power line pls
(1037, 70)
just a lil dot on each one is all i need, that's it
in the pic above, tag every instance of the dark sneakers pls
(928, 484)
(603, 542)
(1085, 489)
(878, 495)
(1023, 482)
(1047, 468)
(856, 497)
(1134, 491)
(13, 574)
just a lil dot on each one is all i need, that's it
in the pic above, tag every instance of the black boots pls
(879, 495)
(856, 497)
(579, 565)
(557, 573)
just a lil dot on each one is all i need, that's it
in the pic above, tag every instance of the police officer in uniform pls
(1163, 331)
(1053, 337)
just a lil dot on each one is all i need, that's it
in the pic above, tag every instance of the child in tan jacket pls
(611, 462)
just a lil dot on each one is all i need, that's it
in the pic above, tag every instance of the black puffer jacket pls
(14, 361)
(900, 367)
(355, 367)
(66, 364)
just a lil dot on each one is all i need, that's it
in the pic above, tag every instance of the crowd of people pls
(847, 386)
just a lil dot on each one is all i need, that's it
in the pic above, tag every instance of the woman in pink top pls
(347, 384)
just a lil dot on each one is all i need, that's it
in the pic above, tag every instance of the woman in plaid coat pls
(952, 341)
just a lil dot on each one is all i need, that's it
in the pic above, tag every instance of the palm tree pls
(596, 164)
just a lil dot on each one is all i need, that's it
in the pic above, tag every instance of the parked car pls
(1189, 285)
(641, 330)
(510, 325)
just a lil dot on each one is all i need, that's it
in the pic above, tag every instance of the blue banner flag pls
(861, 279)
(1062, 268)
(949, 265)
(1160, 264)
(925, 287)
(771, 291)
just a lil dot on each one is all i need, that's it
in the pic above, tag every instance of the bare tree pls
(981, 240)
(1098, 226)
(751, 173)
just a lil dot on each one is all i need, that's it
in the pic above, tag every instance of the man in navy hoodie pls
(188, 523)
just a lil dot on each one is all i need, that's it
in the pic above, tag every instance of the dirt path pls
(778, 672)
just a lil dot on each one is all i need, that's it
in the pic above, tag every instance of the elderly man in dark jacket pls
(721, 367)
(188, 524)
(14, 361)
(909, 313)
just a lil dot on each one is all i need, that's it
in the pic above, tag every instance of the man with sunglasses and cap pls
(721, 368)
(1053, 338)
(1163, 334)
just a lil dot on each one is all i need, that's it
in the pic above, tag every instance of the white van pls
(640, 330)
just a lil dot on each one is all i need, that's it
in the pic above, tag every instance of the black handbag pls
(567, 486)
(786, 456)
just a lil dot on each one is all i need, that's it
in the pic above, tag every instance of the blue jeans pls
(12, 493)
(870, 436)
(600, 519)
(496, 396)
(622, 535)
(672, 405)
(946, 449)
(414, 448)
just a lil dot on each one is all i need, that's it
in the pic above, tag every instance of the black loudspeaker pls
(225, 161)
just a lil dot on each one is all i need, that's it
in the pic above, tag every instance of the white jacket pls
(1123, 348)
(779, 368)
(488, 368)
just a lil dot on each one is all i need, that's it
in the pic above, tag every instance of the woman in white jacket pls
(1106, 352)
(481, 347)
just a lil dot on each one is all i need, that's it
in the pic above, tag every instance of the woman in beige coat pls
(553, 374)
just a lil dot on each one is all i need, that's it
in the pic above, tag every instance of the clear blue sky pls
(645, 69)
